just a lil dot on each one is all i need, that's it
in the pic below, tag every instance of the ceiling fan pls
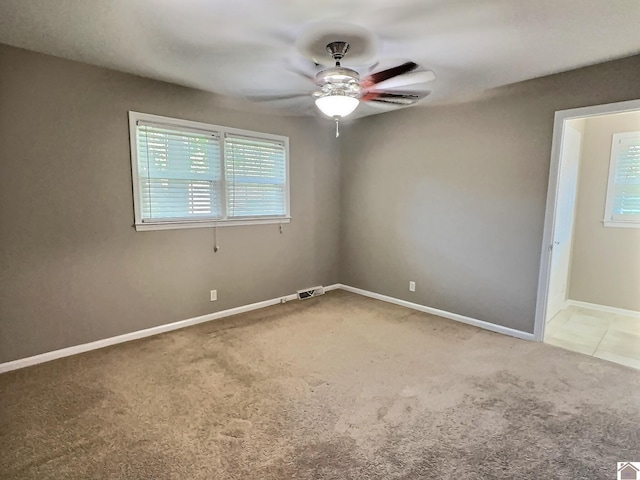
(341, 89)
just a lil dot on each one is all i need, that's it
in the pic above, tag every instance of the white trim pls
(560, 118)
(621, 224)
(203, 127)
(442, 313)
(127, 337)
(603, 308)
(148, 226)
(223, 180)
(604, 109)
(221, 133)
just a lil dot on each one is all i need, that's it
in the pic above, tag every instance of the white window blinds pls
(623, 194)
(190, 174)
(255, 172)
(179, 173)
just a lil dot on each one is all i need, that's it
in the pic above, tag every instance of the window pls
(623, 191)
(189, 174)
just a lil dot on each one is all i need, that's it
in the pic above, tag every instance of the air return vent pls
(310, 292)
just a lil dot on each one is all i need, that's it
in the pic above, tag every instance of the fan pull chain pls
(337, 126)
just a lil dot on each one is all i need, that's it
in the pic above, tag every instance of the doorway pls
(560, 318)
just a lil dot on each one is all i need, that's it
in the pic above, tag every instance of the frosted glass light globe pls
(337, 105)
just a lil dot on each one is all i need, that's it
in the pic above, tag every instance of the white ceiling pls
(253, 47)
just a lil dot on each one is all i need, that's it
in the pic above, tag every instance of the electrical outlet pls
(214, 295)
(412, 286)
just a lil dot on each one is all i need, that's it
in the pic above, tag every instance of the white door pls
(563, 228)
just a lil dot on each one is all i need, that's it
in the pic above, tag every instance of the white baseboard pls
(603, 308)
(127, 337)
(441, 313)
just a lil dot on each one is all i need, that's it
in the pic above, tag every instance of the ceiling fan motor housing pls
(337, 75)
(338, 80)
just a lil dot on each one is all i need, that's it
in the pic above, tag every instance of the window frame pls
(609, 219)
(141, 225)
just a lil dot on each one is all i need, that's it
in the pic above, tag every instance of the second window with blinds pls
(622, 208)
(191, 174)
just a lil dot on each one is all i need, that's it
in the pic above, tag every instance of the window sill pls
(610, 223)
(179, 225)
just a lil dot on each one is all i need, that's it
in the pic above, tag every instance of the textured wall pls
(453, 196)
(72, 267)
(606, 260)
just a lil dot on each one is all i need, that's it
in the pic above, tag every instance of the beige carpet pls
(338, 387)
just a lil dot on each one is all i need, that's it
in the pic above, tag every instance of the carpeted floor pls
(337, 387)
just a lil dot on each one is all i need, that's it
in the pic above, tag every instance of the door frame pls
(561, 282)
(561, 116)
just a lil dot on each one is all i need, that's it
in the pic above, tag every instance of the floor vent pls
(310, 292)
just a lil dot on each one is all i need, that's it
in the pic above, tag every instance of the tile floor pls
(604, 335)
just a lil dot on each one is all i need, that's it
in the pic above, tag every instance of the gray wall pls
(449, 196)
(605, 266)
(72, 267)
(453, 196)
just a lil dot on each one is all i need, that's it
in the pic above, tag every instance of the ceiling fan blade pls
(393, 102)
(302, 67)
(389, 73)
(273, 98)
(408, 95)
(411, 78)
(401, 98)
(300, 72)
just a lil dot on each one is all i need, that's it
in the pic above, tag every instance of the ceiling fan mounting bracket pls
(338, 50)
(315, 37)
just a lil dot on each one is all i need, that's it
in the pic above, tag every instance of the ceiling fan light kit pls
(339, 86)
(341, 89)
(337, 105)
